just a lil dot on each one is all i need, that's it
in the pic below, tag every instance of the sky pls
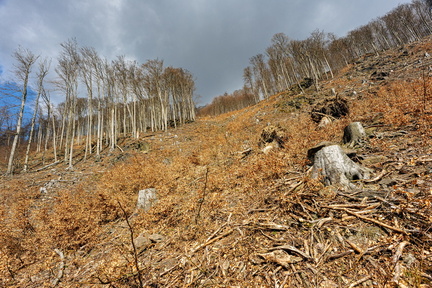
(213, 39)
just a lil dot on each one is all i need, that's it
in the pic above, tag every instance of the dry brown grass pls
(219, 209)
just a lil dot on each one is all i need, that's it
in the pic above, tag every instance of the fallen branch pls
(399, 251)
(272, 226)
(423, 160)
(293, 188)
(269, 237)
(216, 232)
(49, 165)
(320, 222)
(211, 241)
(355, 247)
(280, 257)
(260, 210)
(396, 257)
(370, 220)
(169, 270)
(377, 178)
(427, 276)
(324, 115)
(291, 249)
(245, 153)
(360, 281)
(376, 222)
(385, 201)
(61, 268)
(339, 255)
(353, 205)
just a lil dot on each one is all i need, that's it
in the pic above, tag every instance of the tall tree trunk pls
(18, 129)
(73, 132)
(33, 120)
(25, 60)
(43, 71)
(54, 138)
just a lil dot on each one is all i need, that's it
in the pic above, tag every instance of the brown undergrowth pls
(230, 215)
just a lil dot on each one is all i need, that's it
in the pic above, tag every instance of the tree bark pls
(334, 167)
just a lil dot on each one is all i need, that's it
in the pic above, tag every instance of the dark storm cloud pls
(213, 39)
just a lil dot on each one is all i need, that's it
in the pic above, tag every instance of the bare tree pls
(154, 86)
(99, 72)
(25, 59)
(135, 91)
(261, 73)
(279, 60)
(68, 69)
(50, 118)
(43, 71)
(121, 72)
(87, 75)
(249, 85)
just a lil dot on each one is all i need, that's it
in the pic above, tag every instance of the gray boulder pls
(145, 241)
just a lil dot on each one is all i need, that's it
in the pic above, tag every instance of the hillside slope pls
(229, 215)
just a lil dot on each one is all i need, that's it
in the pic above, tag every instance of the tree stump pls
(354, 134)
(336, 168)
(146, 198)
(335, 107)
(312, 151)
(273, 135)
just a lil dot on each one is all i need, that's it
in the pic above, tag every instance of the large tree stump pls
(336, 168)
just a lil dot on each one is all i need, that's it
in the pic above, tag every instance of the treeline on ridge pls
(286, 61)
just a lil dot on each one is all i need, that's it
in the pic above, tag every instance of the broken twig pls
(61, 268)
(211, 241)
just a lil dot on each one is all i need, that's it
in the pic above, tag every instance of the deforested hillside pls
(239, 203)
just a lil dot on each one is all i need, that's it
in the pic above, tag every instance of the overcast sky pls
(213, 39)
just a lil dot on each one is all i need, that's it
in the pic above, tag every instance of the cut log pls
(354, 134)
(334, 167)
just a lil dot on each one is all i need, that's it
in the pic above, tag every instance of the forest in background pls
(287, 62)
(102, 101)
